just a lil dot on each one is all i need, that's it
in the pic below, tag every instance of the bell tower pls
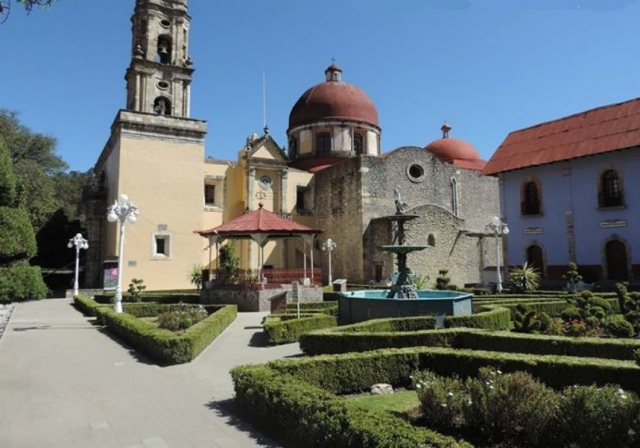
(159, 75)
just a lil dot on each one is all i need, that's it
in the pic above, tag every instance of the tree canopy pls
(5, 6)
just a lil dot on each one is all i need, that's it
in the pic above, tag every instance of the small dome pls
(455, 151)
(333, 99)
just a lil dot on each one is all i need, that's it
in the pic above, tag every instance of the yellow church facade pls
(331, 176)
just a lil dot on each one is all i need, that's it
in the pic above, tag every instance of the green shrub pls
(442, 281)
(618, 327)
(572, 277)
(398, 332)
(327, 307)
(571, 313)
(20, 282)
(290, 409)
(86, 305)
(8, 181)
(18, 240)
(590, 416)
(442, 400)
(154, 297)
(523, 279)
(182, 317)
(515, 410)
(285, 329)
(136, 288)
(164, 346)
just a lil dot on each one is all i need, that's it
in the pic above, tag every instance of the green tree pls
(34, 163)
(18, 280)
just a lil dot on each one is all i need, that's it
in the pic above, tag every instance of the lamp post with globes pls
(124, 211)
(498, 228)
(79, 243)
(329, 245)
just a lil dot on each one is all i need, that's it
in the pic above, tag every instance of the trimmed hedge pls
(399, 332)
(21, 282)
(548, 345)
(333, 342)
(86, 305)
(330, 308)
(356, 372)
(304, 415)
(164, 346)
(286, 328)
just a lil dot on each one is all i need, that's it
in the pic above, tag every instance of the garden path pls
(64, 382)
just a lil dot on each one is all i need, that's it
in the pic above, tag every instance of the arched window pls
(454, 196)
(164, 50)
(535, 258)
(358, 143)
(610, 189)
(323, 144)
(530, 198)
(616, 259)
(431, 240)
(162, 106)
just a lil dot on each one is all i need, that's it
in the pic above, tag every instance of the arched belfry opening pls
(162, 106)
(164, 49)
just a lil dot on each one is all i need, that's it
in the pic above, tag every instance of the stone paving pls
(65, 382)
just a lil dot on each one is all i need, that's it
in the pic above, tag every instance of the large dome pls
(455, 151)
(333, 99)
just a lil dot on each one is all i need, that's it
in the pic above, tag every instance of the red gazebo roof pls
(259, 221)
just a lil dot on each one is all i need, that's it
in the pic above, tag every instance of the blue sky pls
(488, 67)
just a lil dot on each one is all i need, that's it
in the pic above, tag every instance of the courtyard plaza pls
(67, 383)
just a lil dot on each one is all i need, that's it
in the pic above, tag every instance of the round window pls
(415, 172)
(163, 85)
(265, 182)
(165, 23)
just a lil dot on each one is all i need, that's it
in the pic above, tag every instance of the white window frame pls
(168, 245)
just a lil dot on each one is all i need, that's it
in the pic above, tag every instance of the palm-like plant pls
(526, 278)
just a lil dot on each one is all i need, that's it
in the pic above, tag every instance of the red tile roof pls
(258, 221)
(596, 131)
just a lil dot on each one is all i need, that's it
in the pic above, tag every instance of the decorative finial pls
(333, 61)
(266, 130)
(260, 204)
(445, 130)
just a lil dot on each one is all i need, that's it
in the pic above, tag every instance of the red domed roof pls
(455, 151)
(333, 99)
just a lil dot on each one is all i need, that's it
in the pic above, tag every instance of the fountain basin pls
(359, 306)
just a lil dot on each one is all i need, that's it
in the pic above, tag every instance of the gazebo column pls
(308, 239)
(260, 238)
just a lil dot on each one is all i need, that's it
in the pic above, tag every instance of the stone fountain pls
(402, 299)
(403, 288)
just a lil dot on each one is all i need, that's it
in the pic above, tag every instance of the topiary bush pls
(21, 282)
(18, 280)
(618, 327)
(18, 240)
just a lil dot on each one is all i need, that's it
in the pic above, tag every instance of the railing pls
(271, 278)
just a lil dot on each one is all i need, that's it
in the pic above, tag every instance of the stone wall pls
(256, 300)
(351, 197)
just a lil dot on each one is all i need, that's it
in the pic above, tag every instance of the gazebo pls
(262, 226)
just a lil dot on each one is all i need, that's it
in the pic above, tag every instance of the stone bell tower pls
(159, 76)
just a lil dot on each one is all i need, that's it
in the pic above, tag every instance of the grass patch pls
(399, 402)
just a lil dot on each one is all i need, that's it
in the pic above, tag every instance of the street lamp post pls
(79, 243)
(124, 211)
(498, 228)
(329, 245)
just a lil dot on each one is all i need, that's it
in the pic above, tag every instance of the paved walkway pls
(64, 382)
